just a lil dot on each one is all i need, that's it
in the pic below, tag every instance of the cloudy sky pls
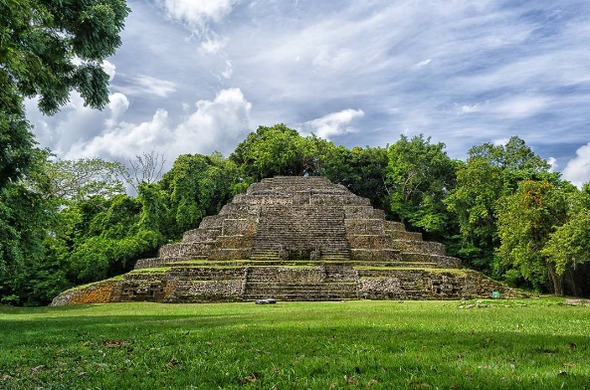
(196, 76)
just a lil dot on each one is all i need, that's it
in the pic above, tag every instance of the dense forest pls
(502, 211)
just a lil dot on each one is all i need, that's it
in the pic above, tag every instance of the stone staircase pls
(321, 283)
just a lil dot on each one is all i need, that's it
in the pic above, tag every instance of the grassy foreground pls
(532, 344)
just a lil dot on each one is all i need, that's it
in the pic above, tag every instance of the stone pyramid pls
(293, 238)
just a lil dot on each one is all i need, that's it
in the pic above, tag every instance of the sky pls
(196, 76)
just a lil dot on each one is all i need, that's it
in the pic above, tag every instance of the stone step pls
(197, 235)
(186, 250)
(426, 247)
(374, 254)
(403, 235)
(369, 241)
(298, 292)
(395, 226)
(440, 260)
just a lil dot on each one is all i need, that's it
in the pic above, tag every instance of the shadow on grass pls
(252, 347)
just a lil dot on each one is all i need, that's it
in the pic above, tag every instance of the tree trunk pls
(556, 280)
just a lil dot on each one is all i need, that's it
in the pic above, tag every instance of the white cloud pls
(196, 13)
(212, 45)
(468, 109)
(218, 124)
(142, 85)
(155, 86)
(463, 72)
(500, 141)
(554, 165)
(336, 123)
(577, 169)
(118, 104)
(110, 69)
(422, 64)
(228, 71)
(521, 106)
(125, 140)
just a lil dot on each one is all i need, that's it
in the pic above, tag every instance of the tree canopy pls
(48, 49)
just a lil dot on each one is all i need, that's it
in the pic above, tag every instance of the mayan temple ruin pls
(293, 238)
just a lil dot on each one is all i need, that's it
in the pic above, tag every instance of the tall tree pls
(567, 247)
(419, 175)
(361, 170)
(49, 48)
(83, 179)
(272, 151)
(525, 221)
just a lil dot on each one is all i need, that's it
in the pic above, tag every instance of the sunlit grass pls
(363, 344)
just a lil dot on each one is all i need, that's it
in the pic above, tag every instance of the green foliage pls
(273, 151)
(198, 186)
(49, 48)
(514, 156)
(361, 170)
(525, 221)
(25, 218)
(490, 173)
(473, 202)
(16, 145)
(567, 247)
(81, 180)
(419, 175)
(103, 242)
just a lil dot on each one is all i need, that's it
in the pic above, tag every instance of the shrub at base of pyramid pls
(294, 238)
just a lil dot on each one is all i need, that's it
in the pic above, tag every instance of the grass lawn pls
(532, 344)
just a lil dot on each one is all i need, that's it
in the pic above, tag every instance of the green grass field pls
(532, 344)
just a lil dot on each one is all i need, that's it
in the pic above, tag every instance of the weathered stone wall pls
(101, 292)
(428, 285)
(206, 284)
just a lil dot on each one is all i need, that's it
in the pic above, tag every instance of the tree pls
(195, 187)
(473, 202)
(361, 170)
(84, 179)
(419, 175)
(145, 168)
(272, 151)
(525, 221)
(26, 217)
(567, 247)
(49, 48)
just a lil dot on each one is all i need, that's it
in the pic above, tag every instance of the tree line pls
(502, 211)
